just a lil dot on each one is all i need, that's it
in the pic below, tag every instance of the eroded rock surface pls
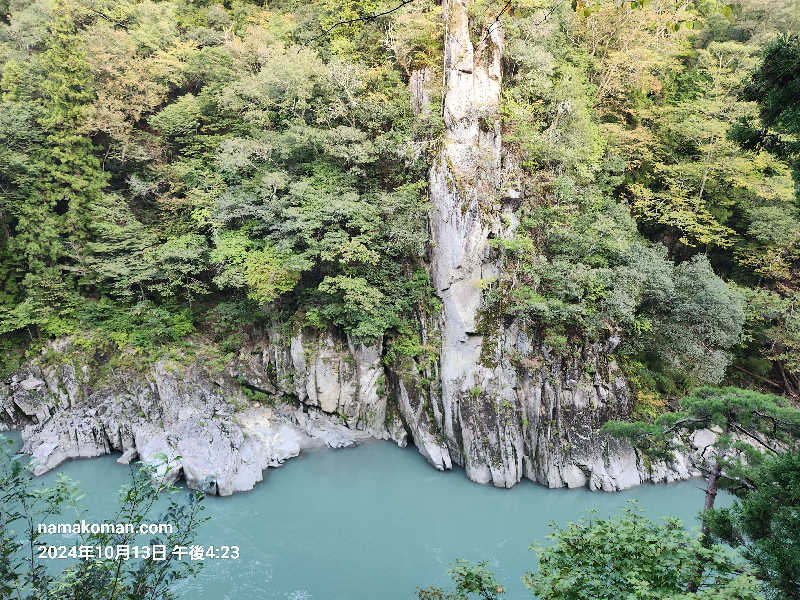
(199, 426)
(526, 414)
(506, 407)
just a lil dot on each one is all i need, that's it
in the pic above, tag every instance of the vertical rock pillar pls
(464, 192)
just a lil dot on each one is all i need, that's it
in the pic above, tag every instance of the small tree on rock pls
(749, 426)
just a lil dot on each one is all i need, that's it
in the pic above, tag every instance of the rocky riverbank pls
(221, 428)
(200, 425)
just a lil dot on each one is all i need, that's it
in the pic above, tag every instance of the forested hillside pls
(173, 173)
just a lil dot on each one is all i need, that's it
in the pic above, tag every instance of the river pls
(373, 523)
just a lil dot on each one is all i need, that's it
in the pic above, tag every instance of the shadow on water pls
(373, 522)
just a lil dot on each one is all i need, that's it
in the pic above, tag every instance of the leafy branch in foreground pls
(631, 557)
(747, 423)
(148, 498)
(471, 581)
(764, 524)
(626, 556)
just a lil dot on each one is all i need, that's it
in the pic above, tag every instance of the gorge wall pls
(505, 407)
(502, 406)
(221, 426)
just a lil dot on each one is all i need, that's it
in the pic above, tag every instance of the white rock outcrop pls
(179, 419)
(505, 408)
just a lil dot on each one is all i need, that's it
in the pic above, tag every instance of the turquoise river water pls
(373, 523)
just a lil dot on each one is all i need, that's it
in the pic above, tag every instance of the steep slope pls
(508, 408)
(497, 401)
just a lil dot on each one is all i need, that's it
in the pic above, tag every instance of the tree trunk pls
(711, 493)
(712, 487)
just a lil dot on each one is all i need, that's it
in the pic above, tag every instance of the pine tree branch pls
(755, 438)
(681, 422)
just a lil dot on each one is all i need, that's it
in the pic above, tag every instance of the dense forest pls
(172, 172)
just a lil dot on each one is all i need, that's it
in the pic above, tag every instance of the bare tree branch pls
(759, 377)
(107, 18)
(496, 23)
(755, 438)
(359, 19)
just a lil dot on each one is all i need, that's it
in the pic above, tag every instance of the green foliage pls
(471, 581)
(180, 153)
(144, 325)
(699, 183)
(751, 433)
(117, 249)
(12, 351)
(180, 121)
(178, 265)
(632, 557)
(261, 271)
(683, 320)
(772, 331)
(228, 318)
(255, 394)
(54, 174)
(735, 412)
(601, 113)
(700, 319)
(148, 157)
(775, 252)
(763, 523)
(23, 506)
(774, 86)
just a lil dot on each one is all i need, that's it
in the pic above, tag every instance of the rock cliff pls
(202, 425)
(532, 415)
(497, 401)
(464, 182)
(505, 407)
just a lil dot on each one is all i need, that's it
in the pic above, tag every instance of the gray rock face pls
(507, 408)
(535, 417)
(325, 371)
(414, 404)
(464, 183)
(181, 420)
(528, 414)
